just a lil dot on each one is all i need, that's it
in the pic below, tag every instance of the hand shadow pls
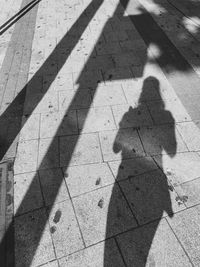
(143, 184)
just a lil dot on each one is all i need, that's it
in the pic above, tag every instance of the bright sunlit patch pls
(153, 51)
(192, 24)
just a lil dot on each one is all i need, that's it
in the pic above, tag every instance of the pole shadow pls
(145, 188)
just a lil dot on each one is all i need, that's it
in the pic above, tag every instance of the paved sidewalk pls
(100, 113)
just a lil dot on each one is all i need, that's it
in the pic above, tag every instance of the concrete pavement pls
(100, 115)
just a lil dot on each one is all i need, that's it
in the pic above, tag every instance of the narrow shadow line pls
(17, 16)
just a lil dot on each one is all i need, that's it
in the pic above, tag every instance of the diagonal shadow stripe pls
(14, 108)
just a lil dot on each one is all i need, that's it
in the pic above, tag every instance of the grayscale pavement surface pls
(100, 133)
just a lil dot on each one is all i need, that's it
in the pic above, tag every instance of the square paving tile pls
(186, 227)
(26, 158)
(58, 124)
(85, 178)
(95, 119)
(53, 186)
(48, 156)
(33, 244)
(64, 229)
(181, 168)
(150, 196)
(129, 168)
(163, 139)
(79, 149)
(102, 214)
(152, 245)
(27, 192)
(128, 116)
(125, 141)
(94, 256)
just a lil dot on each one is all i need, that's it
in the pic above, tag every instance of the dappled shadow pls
(144, 186)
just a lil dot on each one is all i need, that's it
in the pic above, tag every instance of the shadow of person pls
(142, 183)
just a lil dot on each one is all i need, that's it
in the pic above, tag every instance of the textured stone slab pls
(106, 95)
(190, 132)
(48, 156)
(94, 256)
(96, 208)
(150, 196)
(33, 244)
(27, 192)
(30, 127)
(129, 168)
(95, 119)
(26, 158)
(58, 124)
(82, 149)
(128, 116)
(186, 227)
(180, 168)
(168, 111)
(189, 192)
(74, 100)
(126, 141)
(152, 245)
(82, 179)
(53, 186)
(162, 140)
(64, 229)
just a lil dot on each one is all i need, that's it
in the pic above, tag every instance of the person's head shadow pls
(144, 186)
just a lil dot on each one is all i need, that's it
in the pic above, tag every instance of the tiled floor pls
(104, 110)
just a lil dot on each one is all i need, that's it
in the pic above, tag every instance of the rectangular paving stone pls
(117, 75)
(168, 111)
(41, 103)
(64, 82)
(48, 156)
(96, 209)
(94, 256)
(33, 244)
(189, 192)
(64, 229)
(181, 168)
(86, 178)
(106, 95)
(26, 158)
(132, 116)
(30, 127)
(74, 100)
(58, 124)
(150, 197)
(27, 193)
(129, 168)
(53, 186)
(87, 80)
(80, 149)
(125, 141)
(153, 244)
(186, 227)
(189, 131)
(163, 139)
(95, 119)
